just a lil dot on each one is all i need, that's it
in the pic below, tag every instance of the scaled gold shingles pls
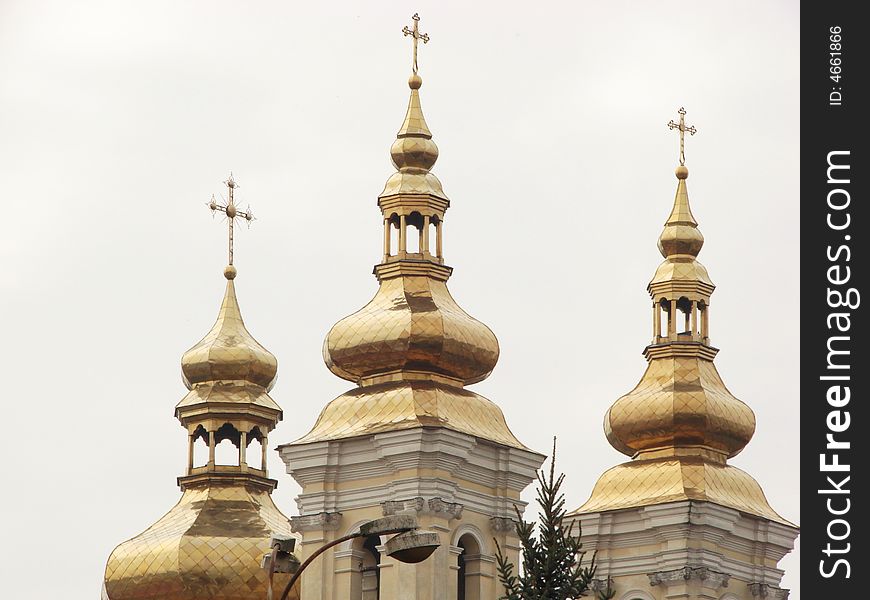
(680, 424)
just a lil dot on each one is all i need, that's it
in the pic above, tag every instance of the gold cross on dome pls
(415, 35)
(231, 211)
(681, 126)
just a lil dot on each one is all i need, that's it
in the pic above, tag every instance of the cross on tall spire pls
(415, 35)
(681, 126)
(231, 211)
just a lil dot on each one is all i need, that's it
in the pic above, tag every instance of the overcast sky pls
(121, 119)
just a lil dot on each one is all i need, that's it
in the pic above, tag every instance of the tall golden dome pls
(411, 349)
(680, 424)
(211, 543)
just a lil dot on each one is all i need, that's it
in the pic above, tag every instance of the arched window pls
(469, 573)
(370, 568)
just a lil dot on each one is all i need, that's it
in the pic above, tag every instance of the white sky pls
(120, 119)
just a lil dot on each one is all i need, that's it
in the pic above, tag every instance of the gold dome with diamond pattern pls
(411, 349)
(680, 423)
(412, 328)
(211, 543)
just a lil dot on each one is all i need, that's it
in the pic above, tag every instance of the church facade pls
(412, 437)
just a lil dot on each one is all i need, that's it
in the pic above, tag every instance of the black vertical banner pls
(835, 301)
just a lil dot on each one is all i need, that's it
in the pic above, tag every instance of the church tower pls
(211, 543)
(677, 521)
(410, 437)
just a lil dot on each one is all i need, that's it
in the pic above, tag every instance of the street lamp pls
(409, 545)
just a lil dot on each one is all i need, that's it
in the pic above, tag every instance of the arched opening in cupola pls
(199, 451)
(393, 224)
(226, 451)
(254, 451)
(684, 306)
(664, 316)
(414, 224)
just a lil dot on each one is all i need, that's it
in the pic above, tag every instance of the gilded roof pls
(402, 405)
(672, 479)
(208, 546)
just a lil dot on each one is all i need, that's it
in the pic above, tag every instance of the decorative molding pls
(676, 534)
(433, 506)
(503, 525)
(600, 585)
(324, 521)
(765, 590)
(711, 578)
(451, 510)
(392, 507)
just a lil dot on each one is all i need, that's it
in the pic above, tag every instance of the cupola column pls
(424, 240)
(264, 443)
(387, 241)
(403, 235)
(191, 441)
(211, 446)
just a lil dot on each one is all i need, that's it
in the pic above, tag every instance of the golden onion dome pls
(681, 236)
(228, 352)
(682, 402)
(412, 326)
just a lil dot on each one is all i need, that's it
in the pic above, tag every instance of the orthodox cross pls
(415, 35)
(231, 211)
(681, 126)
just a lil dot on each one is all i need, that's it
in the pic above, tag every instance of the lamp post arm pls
(317, 553)
(385, 526)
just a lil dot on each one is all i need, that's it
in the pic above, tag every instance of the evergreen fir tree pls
(552, 560)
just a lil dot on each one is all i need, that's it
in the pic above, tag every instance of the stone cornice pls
(677, 534)
(420, 505)
(765, 590)
(711, 578)
(324, 521)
